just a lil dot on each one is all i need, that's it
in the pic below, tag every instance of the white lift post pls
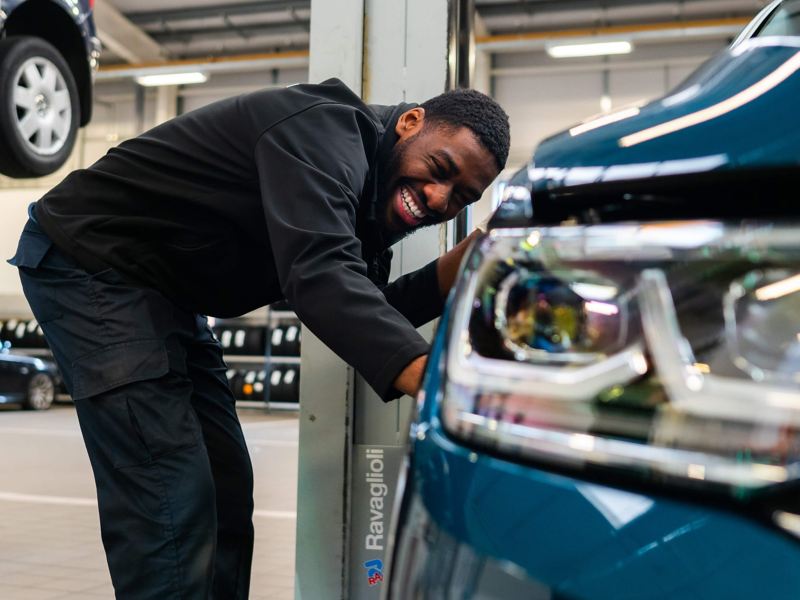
(351, 443)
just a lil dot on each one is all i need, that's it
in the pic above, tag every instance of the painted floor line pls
(39, 499)
(72, 501)
(77, 434)
(274, 443)
(275, 514)
(35, 431)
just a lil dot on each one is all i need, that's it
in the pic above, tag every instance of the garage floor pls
(50, 545)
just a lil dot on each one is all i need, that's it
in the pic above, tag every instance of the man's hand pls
(447, 265)
(410, 378)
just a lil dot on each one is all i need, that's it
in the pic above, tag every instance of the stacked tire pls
(22, 333)
(241, 340)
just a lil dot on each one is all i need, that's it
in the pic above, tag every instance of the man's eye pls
(438, 169)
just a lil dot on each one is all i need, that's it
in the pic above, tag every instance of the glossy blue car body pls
(737, 112)
(475, 524)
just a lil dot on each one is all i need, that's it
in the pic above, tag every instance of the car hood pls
(732, 126)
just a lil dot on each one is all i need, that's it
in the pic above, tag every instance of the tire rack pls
(283, 358)
(262, 351)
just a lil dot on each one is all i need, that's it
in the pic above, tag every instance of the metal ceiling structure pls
(202, 30)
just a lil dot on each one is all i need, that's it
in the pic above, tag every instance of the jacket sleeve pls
(311, 170)
(416, 294)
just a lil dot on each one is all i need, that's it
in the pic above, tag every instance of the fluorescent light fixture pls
(589, 49)
(594, 291)
(779, 289)
(601, 308)
(172, 78)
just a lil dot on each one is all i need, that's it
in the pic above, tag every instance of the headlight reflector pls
(669, 351)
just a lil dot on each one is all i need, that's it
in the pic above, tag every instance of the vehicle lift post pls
(352, 444)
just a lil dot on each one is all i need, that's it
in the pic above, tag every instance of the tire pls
(41, 392)
(39, 108)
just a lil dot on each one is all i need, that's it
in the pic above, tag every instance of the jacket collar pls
(372, 231)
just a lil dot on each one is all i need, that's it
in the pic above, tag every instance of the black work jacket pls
(252, 199)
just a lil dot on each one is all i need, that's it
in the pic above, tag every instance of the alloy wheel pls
(41, 391)
(43, 106)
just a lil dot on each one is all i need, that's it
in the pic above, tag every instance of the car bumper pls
(487, 528)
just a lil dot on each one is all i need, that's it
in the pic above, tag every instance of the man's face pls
(434, 172)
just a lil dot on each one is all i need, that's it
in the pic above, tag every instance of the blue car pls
(48, 57)
(612, 405)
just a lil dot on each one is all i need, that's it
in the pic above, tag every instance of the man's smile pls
(408, 206)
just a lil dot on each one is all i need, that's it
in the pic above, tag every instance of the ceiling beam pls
(155, 17)
(122, 37)
(231, 31)
(228, 64)
(525, 7)
(643, 32)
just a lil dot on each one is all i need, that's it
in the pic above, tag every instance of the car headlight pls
(668, 352)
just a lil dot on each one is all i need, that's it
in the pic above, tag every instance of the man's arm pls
(410, 379)
(448, 263)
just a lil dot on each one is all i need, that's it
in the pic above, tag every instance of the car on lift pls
(48, 56)
(27, 380)
(611, 407)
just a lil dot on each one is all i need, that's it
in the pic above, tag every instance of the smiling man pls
(295, 193)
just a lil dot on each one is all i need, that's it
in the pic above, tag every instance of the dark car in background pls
(611, 408)
(27, 380)
(48, 55)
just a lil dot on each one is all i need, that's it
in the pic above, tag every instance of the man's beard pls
(387, 185)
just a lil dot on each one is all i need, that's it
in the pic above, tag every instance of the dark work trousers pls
(174, 479)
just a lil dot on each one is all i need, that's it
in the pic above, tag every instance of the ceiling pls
(201, 29)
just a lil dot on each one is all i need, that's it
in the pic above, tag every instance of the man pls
(294, 193)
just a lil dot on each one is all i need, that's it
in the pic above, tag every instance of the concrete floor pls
(50, 545)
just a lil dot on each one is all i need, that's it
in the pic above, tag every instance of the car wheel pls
(39, 108)
(41, 392)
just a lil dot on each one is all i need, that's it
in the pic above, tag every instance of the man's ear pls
(410, 122)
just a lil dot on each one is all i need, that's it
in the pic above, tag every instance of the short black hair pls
(476, 111)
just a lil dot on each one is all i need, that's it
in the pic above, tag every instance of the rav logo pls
(374, 571)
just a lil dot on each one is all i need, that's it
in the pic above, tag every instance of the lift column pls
(351, 443)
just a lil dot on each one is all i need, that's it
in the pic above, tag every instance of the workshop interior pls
(610, 408)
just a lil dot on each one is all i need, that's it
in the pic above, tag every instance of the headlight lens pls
(669, 351)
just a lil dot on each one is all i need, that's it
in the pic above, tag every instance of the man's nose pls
(438, 196)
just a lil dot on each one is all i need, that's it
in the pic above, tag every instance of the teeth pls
(411, 205)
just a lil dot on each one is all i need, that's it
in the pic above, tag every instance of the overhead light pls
(589, 49)
(779, 289)
(172, 78)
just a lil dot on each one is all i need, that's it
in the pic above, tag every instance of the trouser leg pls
(155, 489)
(123, 350)
(214, 406)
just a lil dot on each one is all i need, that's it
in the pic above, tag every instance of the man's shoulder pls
(294, 99)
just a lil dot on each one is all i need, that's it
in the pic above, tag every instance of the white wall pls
(13, 214)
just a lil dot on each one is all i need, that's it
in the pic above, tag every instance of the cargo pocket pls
(134, 402)
(116, 365)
